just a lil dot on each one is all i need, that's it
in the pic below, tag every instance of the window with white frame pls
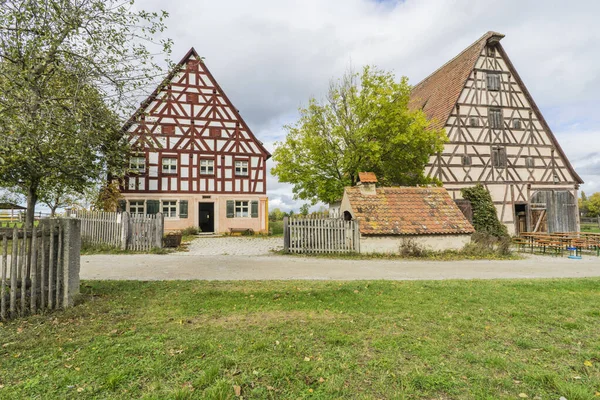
(169, 208)
(137, 164)
(169, 165)
(241, 209)
(136, 207)
(207, 167)
(241, 168)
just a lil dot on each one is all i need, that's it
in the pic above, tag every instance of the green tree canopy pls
(365, 124)
(593, 205)
(67, 69)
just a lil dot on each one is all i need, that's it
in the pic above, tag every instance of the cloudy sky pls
(270, 56)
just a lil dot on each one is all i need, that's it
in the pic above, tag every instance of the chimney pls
(366, 182)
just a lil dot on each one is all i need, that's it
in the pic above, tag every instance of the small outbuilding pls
(389, 215)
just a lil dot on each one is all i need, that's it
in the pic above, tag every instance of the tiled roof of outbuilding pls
(407, 211)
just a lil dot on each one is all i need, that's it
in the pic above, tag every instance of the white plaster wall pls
(391, 244)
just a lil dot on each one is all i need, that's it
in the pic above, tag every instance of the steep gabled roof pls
(407, 211)
(177, 68)
(437, 94)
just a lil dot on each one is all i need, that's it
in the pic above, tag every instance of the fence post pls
(71, 254)
(124, 230)
(160, 227)
(286, 235)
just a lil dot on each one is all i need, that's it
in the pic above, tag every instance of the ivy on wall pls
(485, 217)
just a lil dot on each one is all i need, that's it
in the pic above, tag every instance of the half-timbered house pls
(195, 159)
(499, 138)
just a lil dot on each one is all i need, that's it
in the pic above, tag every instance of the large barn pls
(196, 160)
(498, 137)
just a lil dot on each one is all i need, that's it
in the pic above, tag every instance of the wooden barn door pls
(553, 211)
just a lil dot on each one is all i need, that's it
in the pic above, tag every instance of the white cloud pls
(270, 56)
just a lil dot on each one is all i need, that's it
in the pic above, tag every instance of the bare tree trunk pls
(32, 199)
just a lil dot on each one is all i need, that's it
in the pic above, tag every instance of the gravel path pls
(233, 245)
(188, 266)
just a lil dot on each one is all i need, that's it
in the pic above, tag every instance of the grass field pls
(317, 340)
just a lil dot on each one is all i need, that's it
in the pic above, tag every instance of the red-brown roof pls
(367, 177)
(407, 211)
(437, 94)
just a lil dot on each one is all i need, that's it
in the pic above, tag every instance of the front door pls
(206, 217)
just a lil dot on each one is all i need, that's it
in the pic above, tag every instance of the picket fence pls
(40, 267)
(320, 235)
(123, 230)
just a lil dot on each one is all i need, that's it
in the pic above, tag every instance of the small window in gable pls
(516, 123)
(491, 51)
(530, 162)
(167, 129)
(493, 81)
(474, 121)
(498, 157)
(192, 97)
(137, 164)
(214, 132)
(495, 118)
(466, 160)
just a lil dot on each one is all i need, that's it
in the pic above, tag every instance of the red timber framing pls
(189, 118)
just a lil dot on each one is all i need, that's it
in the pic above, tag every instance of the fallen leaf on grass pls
(523, 395)
(321, 380)
(587, 363)
(238, 390)
(306, 358)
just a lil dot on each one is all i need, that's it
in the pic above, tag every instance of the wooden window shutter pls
(122, 207)
(152, 206)
(254, 209)
(230, 208)
(183, 209)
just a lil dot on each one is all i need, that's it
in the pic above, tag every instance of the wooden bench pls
(247, 231)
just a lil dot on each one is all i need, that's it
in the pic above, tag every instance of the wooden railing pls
(320, 235)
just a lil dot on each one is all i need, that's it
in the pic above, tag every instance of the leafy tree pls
(583, 204)
(304, 209)
(67, 69)
(365, 124)
(593, 205)
(485, 216)
(276, 215)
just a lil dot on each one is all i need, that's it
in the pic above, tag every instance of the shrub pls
(190, 231)
(484, 245)
(410, 248)
(485, 217)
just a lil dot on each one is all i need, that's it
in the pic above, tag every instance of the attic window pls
(473, 121)
(498, 157)
(466, 160)
(168, 129)
(491, 51)
(192, 65)
(493, 81)
(192, 97)
(530, 162)
(214, 132)
(516, 123)
(495, 118)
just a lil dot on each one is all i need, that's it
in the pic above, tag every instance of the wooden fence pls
(122, 230)
(320, 235)
(590, 221)
(40, 267)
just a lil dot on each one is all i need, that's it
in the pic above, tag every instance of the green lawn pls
(321, 340)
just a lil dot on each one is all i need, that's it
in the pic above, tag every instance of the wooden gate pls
(321, 235)
(553, 211)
